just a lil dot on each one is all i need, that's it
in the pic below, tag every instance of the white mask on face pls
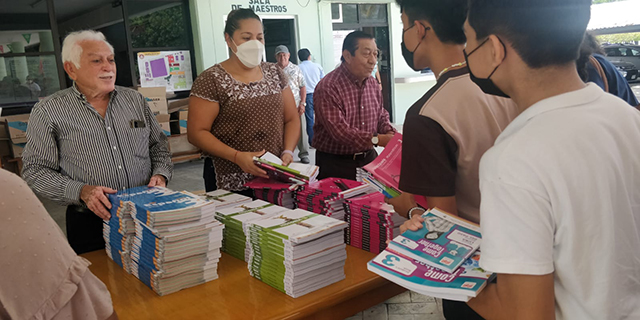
(250, 53)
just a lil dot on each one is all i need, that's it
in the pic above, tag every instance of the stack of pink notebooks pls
(371, 222)
(276, 192)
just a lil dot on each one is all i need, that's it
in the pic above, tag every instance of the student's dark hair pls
(234, 18)
(446, 17)
(304, 54)
(351, 42)
(589, 46)
(543, 32)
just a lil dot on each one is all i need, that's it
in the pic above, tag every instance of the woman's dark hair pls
(304, 54)
(234, 18)
(589, 46)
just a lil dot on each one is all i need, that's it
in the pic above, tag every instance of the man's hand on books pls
(157, 180)
(414, 224)
(96, 200)
(383, 139)
(245, 161)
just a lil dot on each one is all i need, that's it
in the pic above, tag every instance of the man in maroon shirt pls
(350, 119)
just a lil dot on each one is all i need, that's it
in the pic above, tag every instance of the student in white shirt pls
(560, 206)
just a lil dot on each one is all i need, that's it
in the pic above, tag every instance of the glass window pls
(336, 12)
(373, 13)
(27, 78)
(156, 24)
(349, 13)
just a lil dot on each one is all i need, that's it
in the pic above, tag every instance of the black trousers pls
(456, 310)
(84, 230)
(342, 166)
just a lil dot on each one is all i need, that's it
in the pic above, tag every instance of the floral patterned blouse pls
(251, 116)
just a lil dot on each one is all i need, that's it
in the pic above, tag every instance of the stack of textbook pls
(296, 251)
(371, 222)
(297, 173)
(119, 231)
(225, 199)
(177, 238)
(233, 219)
(273, 191)
(439, 260)
(324, 196)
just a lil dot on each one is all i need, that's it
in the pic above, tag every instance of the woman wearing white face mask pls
(241, 108)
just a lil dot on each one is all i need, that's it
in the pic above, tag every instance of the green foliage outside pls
(163, 28)
(604, 1)
(619, 38)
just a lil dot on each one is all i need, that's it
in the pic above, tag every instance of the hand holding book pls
(245, 161)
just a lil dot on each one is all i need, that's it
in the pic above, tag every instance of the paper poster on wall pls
(169, 69)
(338, 39)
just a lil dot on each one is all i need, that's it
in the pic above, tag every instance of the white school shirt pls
(560, 192)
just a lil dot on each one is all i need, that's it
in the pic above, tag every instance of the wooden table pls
(237, 295)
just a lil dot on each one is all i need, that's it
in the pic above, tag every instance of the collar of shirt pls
(80, 95)
(566, 100)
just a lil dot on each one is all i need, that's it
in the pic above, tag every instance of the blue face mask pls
(486, 85)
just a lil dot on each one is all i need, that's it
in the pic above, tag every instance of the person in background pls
(33, 86)
(560, 210)
(241, 108)
(448, 130)
(312, 72)
(350, 118)
(594, 67)
(376, 74)
(92, 139)
(297, 85)
(42, 278)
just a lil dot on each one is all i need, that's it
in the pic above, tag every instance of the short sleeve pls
(429, 158)
(517, 230)
(301, 79)
(206, 86)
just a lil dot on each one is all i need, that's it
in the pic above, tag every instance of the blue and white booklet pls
(444, 242)
(462, 285)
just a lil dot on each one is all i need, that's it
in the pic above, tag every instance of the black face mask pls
(408, 55)
(486, 85)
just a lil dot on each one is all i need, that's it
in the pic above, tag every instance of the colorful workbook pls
(297, 173)
(444, 242)
(462, 285)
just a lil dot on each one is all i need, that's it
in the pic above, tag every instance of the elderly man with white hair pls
(92, 139)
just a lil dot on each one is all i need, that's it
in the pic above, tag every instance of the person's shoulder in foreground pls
(559, 214)
(42, 278)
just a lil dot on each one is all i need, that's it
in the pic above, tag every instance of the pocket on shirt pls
(139, 141)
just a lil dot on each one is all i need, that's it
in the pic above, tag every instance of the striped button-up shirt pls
(348, 112)
(70, 145)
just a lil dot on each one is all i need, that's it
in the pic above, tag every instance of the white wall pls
(314, 27)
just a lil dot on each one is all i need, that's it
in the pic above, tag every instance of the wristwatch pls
(375, 139)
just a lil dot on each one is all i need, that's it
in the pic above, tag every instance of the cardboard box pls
(184, 115)
(177, 104)
(18, 149)
(156, 97)
(164, 122)
(179, 144)
(17, 127)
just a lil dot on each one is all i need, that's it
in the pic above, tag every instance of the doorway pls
(280, 31)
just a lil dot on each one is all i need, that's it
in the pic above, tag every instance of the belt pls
(355, 156)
